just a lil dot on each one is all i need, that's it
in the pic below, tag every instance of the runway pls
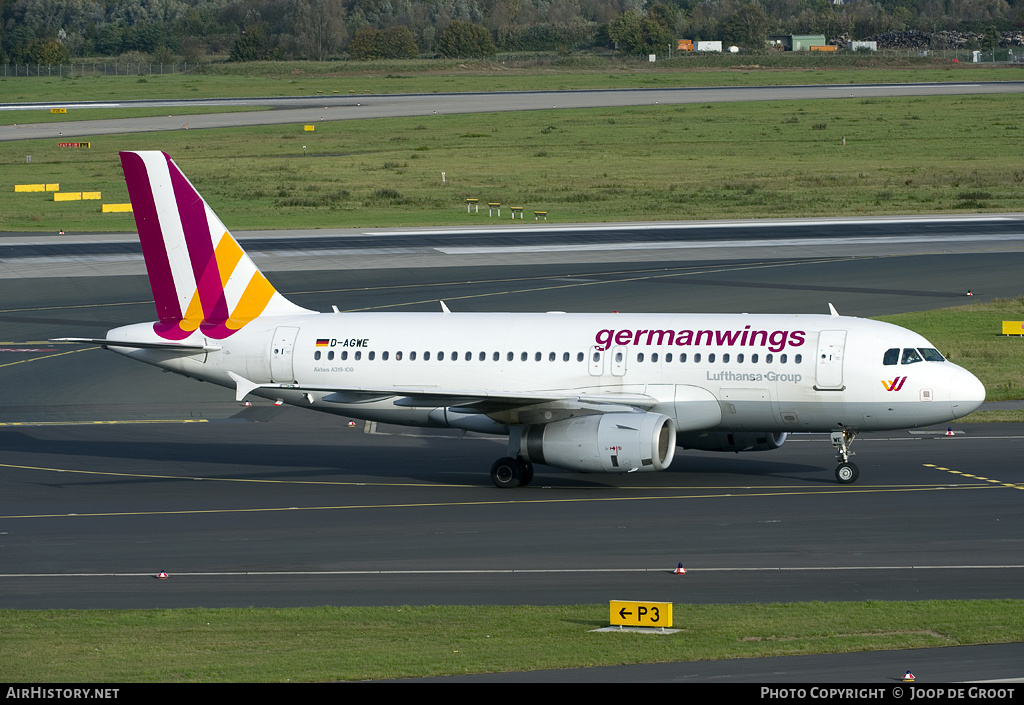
(312, 109)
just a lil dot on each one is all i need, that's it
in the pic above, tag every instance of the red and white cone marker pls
(162, 575)
(949, 431)
(908, 678)
(680, 570)
(969, 293)
(351, 424)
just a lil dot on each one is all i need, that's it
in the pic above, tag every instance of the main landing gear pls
(507, 473)
(846, 472)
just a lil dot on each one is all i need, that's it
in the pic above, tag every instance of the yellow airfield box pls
(640, 614)
(1013, 327)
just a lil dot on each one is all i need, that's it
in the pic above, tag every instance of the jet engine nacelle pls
(618, 442)
(734, 442)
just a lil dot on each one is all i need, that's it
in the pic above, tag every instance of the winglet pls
(832, 310)
(444, 308)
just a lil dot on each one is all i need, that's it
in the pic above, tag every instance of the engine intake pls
(618, 442)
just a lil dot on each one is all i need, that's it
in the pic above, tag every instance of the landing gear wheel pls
(507, 473)
(527, 472)
(847, 473)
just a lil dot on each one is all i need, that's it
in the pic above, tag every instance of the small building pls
(796, 42)
(804, 42)
(708, 46)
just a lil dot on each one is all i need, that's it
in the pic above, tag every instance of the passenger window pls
(579, 357)
(725, 357)
(668, 357)
(639, 357)
(654, 357)
(682, 357)
(330, 355)
(344, 354)
(798, 359)
(359, 354)
(398, 355)
(753, 357)
(910, 356)
(696, 357)
(316, 355)
(891, 357)
(711, 357)
(371, 355)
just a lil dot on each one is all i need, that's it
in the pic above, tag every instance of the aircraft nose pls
(966, 393)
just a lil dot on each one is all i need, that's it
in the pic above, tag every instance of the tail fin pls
(201, 277)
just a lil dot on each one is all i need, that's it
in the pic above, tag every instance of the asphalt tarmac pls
(312, 109)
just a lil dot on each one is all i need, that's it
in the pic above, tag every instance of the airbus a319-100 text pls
(593, 392)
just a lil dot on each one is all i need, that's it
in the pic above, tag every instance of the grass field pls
(730, 160)
(293, 78)
(355, 643)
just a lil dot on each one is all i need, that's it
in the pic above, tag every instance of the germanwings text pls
(775, 341)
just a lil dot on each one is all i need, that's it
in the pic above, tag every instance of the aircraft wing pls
(472, 400)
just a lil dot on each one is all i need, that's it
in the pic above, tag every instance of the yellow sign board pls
(1013, 327)
(309, 128)
(640, 614)
(58, 110)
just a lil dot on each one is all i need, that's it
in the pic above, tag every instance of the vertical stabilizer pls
(201, 278)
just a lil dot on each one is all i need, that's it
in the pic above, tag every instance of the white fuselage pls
(718, 372)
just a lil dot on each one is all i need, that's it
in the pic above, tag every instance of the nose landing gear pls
(846, 472)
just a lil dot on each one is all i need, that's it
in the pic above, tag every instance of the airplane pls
(586, 392)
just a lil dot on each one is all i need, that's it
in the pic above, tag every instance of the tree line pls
(58, 31)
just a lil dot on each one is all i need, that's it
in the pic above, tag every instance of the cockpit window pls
(910, 356)
(931, 354)
(892, 356)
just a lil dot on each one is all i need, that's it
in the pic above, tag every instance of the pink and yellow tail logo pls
(201, 278)
(894, 385)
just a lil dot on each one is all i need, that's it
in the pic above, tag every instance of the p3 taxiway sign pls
(640, 614)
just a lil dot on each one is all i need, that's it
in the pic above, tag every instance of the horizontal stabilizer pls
(142, 344)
